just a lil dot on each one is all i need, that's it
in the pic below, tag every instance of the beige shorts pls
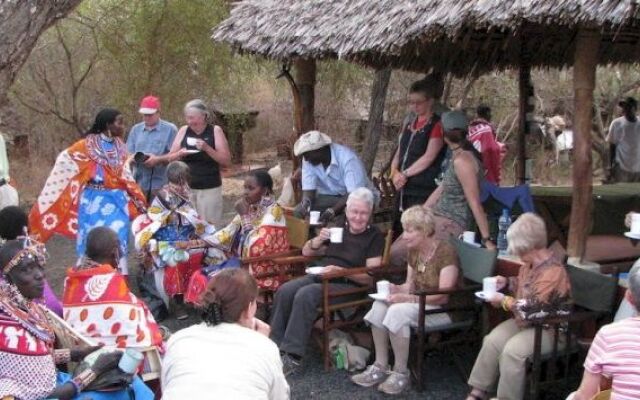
(208, 204)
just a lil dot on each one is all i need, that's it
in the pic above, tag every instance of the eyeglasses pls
(416, 102)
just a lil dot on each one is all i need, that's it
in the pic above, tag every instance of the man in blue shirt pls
(152, 138)
(330, 172)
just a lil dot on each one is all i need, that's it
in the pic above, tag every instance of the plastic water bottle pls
(503, 224)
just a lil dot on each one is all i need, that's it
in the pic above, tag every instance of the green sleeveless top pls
(452, 203)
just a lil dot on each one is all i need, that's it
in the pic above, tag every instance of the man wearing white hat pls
(150, 141)
(330, 172)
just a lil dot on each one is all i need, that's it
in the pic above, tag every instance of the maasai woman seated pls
(170, 236)
(90, 185)
(259, 229)
(98, 303)
(27, 356)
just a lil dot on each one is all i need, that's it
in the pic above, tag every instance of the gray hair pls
(634, 284)
(199, 106)
(527, 233)
(178, 173)
(361, 194)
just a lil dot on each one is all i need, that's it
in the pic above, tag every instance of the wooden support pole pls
(584, 79)
(305, 76)
(525, 90)
(376, 113)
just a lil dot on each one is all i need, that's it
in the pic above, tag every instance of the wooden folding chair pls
(355, 300)
(475, 264)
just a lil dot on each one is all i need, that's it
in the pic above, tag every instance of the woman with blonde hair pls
(542, 287)
(210, 152)
(431, 263)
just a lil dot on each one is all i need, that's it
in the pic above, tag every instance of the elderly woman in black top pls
(209, 152)
(295, 303)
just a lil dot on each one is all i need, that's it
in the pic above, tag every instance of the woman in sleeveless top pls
(209, 153)
(418, 160)
(456, 202)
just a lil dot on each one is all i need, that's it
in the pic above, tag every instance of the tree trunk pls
(376, 114)
(21, 23)
(306, 82)
(584, 78)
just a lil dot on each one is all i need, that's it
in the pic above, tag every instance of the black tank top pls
(205, 171)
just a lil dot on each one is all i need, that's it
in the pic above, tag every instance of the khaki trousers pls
(208, 204)
(505, 352)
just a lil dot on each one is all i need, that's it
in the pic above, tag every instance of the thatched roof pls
(451, 35)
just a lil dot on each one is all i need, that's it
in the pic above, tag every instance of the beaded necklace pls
(113, 158)
(25, 312)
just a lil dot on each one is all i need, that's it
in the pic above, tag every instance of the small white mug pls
(336, 235)
(635, 223)
(469, 236)
(191, 141)
(314, 217)
(490, 286)
(383, 287)
(130, 361)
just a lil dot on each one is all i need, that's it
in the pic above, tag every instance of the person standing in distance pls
(150, 141)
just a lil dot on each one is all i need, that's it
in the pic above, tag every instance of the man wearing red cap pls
(150, 141)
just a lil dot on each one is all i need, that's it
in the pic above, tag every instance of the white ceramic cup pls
(191, 141)
(490, 286)
(130, 361)
(314, 217)
(469, 236)
(382, 287)
(635, 223)
(336, 235)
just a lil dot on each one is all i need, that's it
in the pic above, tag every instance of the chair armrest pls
(294, 259)
(346, 272)
(453, 290)
(270, 257)
(579, 316)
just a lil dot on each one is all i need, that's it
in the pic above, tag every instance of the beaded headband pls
(31, 250)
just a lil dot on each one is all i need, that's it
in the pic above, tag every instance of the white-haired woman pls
(542, 286)
(211, 153)
(432, 264)
(295, 303)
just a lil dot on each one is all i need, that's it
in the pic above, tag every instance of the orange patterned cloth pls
(98, 304)
(56, 210)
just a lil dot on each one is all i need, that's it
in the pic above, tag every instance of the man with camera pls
(150, 141)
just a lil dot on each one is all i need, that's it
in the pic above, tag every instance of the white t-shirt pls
(227, 361)
(626, 136)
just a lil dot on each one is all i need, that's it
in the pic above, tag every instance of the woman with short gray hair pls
(208, 153)
(541, 288)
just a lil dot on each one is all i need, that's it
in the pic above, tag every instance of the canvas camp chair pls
(594, 298)
(475, 264)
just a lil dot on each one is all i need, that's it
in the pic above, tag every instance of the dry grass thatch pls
(461, 36)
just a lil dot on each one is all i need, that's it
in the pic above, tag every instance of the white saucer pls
(379, 296)
(194, 151)
(631, 235)
(318, 270)
(482, 295)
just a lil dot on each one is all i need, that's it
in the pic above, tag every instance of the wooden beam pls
(584, 80)
(376, 113)
(524, 89)
(305, 72)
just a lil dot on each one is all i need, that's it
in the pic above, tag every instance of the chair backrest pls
(386, 254)
(592, 290)
(298, 231)
(476, 263)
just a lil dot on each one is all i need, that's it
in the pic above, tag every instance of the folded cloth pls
(508, 196)
(357, 356)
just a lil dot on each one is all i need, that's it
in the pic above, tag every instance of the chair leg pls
(419, 360)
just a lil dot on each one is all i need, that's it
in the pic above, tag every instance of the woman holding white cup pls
(432, 263)
(211, 153)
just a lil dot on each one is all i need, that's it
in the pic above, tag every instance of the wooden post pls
(305, 71)
(525, 90)
(376, 113)
(584, 79)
